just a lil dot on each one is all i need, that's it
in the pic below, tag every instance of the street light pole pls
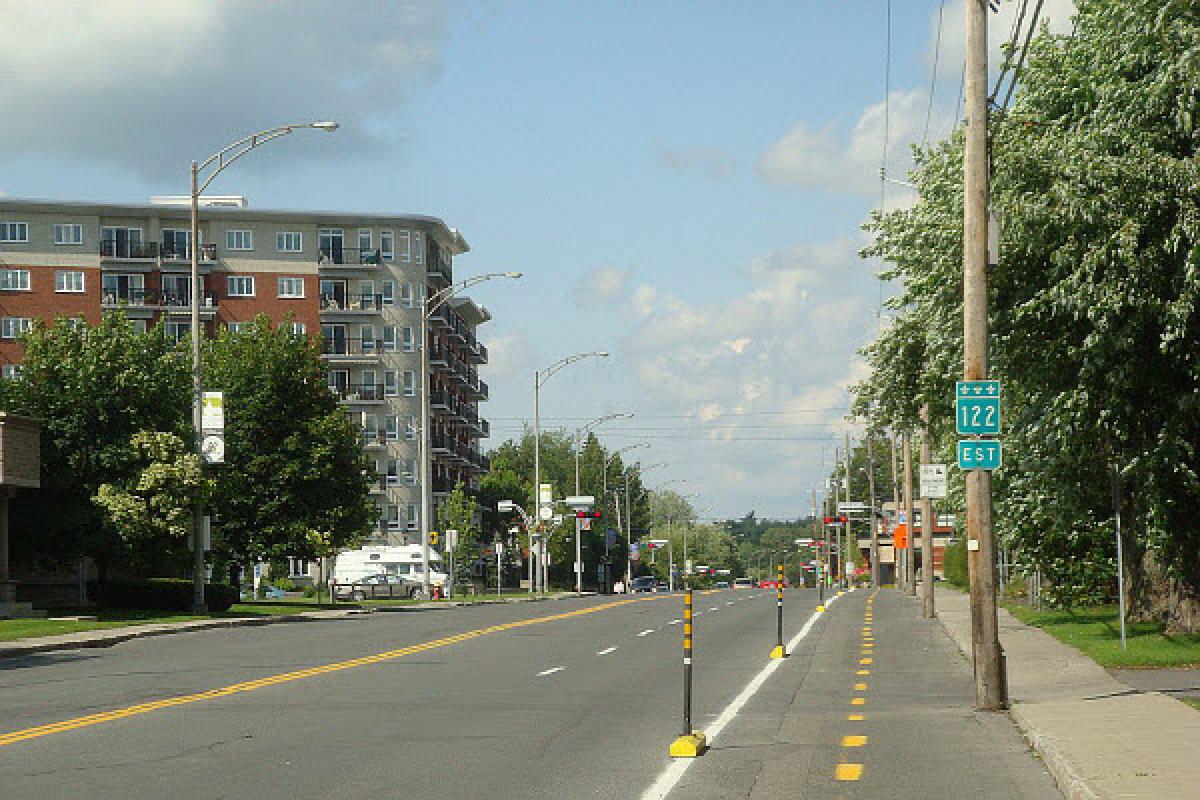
(429, 304)
(539, 378)
(217, 161)
(578, 526)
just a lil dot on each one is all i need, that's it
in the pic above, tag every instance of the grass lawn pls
(1097, 632)
(1194, 702)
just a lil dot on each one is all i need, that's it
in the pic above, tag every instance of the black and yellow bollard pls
(690, 743)
(779, 652)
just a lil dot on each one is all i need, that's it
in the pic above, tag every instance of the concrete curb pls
(114, 636)
(1073, 785)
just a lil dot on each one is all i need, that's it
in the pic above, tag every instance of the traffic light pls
(587, 515)
(650, 545)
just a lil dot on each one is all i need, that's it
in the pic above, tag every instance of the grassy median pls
(1097, 632)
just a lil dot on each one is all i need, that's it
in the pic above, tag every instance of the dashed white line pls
(714, 608)
(675, 622)
(729, 603)
(550, 671)
(646, 632)
(606, 651)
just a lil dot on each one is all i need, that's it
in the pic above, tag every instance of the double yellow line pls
(287, 677)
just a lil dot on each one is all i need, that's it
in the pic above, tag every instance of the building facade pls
(352, 280)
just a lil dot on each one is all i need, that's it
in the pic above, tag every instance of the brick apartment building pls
(354, 280)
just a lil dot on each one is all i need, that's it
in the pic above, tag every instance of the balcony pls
(437, 270)
(442, 317)
(375, 438)
(354, 303)
(117, 249)
(351, 348)
(208, 252)
(348, 258)
(477, 389)
(485, 429)
(475, 351)
(154, 299)
(441, 443)
(359, 392)
(437, 353)
(439, 400)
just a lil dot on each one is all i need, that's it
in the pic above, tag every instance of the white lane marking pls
(714, 608)
(675, 622)
(606, 651)
(646, 632)
(729, 603)
(671, 775)
(550, 671)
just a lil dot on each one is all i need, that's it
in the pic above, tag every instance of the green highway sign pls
(979, 454)
(977, 407)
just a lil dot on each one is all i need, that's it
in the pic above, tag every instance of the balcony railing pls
(349, 256)
(442, 442)
(359, 392)
(353, 302)
(351, 347)
(375, 438)
(154, 298)
(138, 251)
(485, 428)
(434, 269)
(439, 399)
(208, 252)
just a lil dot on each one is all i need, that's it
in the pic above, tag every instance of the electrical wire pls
(937, 52)
(1024, 51)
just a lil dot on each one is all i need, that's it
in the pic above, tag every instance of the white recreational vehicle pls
(351, 566)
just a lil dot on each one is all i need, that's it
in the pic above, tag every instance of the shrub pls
(954, 563)
(163, 594)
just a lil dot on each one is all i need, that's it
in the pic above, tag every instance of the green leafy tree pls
(153, 508)
(93, 387)
(460, 513)
(293, 460)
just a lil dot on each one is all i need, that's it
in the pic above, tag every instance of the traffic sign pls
(933, 480)
(977, 407)
(979, 454)
(848, 508)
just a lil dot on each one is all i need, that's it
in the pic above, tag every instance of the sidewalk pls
(1100, 738)
(107, 637)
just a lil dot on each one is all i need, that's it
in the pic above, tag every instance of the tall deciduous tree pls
(293, 459)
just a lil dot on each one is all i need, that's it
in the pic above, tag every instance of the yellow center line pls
(855, 717)
(863, 672)
(858, 701)
(297, 675)
(848, 772)
(853, 741)
(860, 687)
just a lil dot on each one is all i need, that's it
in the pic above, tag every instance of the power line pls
(937, 52)
(1024, 51)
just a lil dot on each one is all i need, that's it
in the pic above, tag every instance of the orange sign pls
(900, 536)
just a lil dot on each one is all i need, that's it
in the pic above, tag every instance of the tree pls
(93, 387)
(152, 508)
(293, 460)
(459, 514)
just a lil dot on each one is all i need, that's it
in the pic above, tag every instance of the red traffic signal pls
(587, 515)
(650, 545)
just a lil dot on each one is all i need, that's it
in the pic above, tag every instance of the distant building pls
(354, 280)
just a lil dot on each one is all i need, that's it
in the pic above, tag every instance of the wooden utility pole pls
(851, 542)
(910, 561)
(927, 521)
(874, 526)
(990, 683)
(897, 553)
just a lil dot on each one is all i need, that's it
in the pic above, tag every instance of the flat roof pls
(444, 232)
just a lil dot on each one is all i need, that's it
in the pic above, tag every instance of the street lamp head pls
(326, 125)
(513, 274)
(601, 354)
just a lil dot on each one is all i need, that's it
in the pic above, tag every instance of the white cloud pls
(602, 286)
(149, 84)
(508, 355)
(708, 162)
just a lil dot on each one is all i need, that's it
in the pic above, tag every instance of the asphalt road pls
(575, 698)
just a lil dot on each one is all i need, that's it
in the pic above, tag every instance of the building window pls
(387, 245)
(371, 427)
(294, 328)
(12, 371)
(12, 327)
(393, 518)
(239, 240)
(410, 471)
(389, 338)
(175, 243)
(387, 293)
(408, 295)
(391, 427)
(137, 325)
(238, 327)
(410, 383)
(410, 430)
(123, 243)
(414, 518)
(297, 567)
(365, 240)
(409, 339)
(14, 280)
(291, 287)
(240, 285)
(14, 231)
(390, 387)
(418, 247)
(177, 331)
(366, 335)
(289, 241)
(68, 281)
(393, 472)
(68, 233)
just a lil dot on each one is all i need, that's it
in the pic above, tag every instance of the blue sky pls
(681, 182)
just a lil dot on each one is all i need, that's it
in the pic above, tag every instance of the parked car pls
(771, 584)
(645, 583)
(662, 586)
(380, 586)
(721, 585)
(743, 583)
(268, 592)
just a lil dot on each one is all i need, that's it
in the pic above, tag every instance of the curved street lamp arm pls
(544, 375)
(438, 298)
(244, 145)
(601, 420)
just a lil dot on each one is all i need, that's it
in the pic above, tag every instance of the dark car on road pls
(374, 587)
(645, 583)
